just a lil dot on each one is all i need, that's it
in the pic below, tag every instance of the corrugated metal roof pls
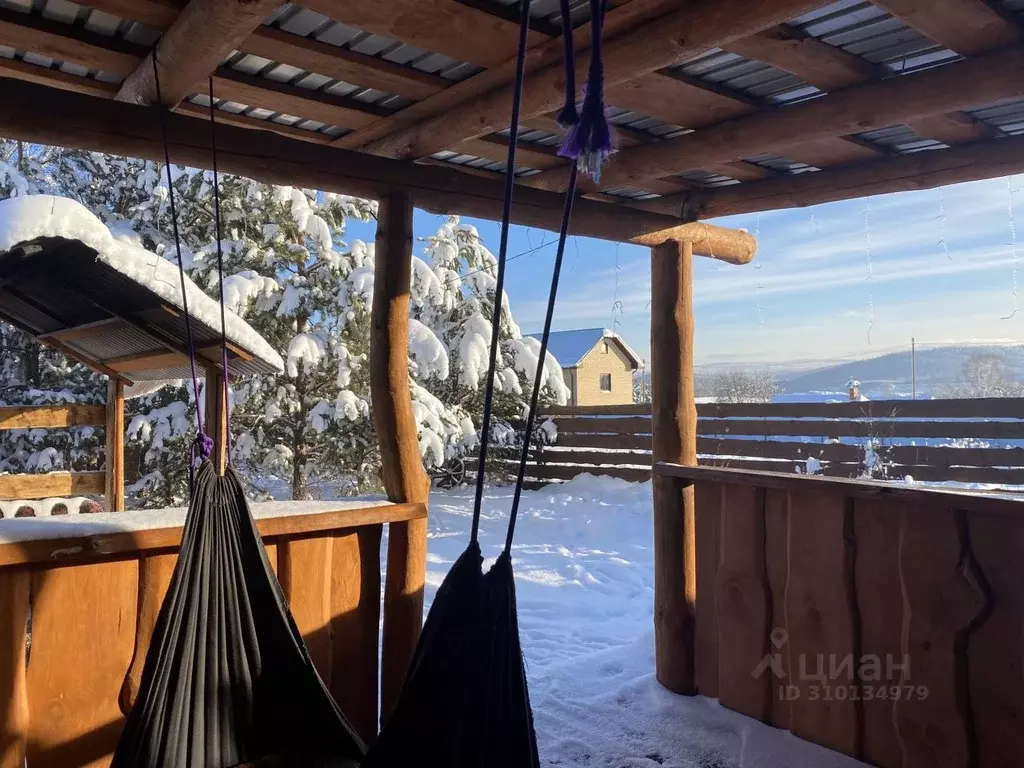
(870, 32)
(749, 77)
(1007, 115)
(901, 139)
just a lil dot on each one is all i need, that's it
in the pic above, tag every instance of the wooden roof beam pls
(33, 113)
(831, 68)
(195, 44)
(920, 170)
(699, 26)
(964, 26)
(296, 50)
(963, 84)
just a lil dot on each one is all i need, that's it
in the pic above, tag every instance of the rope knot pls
(203, 445)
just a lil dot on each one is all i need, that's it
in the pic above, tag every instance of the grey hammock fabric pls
(227, 678)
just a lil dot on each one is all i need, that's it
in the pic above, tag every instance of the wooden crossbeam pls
(306, 53)
(32, 113)
(59, 484)
(28, 32)
(51, 416)
(975, 81)
(696, 28)
(920, 170)
(146, 361)
(443, 26)
(965, 26)
(831, 68)
(198, 40)
(618, 20)
(84, 330)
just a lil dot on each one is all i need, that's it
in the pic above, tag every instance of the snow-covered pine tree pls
(453, 295)
(292, 276)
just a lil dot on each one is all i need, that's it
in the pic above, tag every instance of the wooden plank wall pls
(885, 625)
(63, 695)
(908, 438)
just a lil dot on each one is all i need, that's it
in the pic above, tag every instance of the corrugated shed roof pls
(570, 347)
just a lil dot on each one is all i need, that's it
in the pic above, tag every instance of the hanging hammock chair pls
(228, 680)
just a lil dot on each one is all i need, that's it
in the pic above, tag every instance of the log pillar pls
(216, 421)
(114, 487)
(404, 477)
(674, 428)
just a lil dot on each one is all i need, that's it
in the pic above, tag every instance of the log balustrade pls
(79, 596)
(881, 621)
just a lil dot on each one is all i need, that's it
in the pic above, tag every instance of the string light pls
(871, 267)
(757, 269)
(942, 224)
(617, 309)
(1013, 242)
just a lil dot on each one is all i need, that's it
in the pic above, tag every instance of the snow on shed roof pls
(570, 347)
(45, 218)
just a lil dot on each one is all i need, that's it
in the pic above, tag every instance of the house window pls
(606, 382)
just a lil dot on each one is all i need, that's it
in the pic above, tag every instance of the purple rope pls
(568, 117)
(590, 142)
(202, 445)
(499, 285)
(220, 275)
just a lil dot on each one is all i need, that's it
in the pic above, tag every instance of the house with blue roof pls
(597, 364)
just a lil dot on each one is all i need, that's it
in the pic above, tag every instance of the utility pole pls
(913, 368)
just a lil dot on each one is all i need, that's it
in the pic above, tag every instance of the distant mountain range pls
(890, 375)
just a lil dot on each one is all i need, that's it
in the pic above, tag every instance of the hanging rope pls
(539, 376)
(590, 140)
(499, 284)
(220, 277)
(569, 117)
(202, 446)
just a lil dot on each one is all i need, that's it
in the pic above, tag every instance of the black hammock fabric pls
(227, 678)
(464, 703)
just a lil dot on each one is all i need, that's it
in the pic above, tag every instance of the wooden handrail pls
(53, 543)
(861, 489)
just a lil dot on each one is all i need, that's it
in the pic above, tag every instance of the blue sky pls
(832, 282)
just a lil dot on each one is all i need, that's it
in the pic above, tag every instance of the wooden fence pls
(967, 441)
(77, 614)
(881, 621)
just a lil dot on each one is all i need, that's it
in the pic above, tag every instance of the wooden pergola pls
(721, 107)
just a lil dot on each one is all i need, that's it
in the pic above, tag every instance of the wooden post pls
(216, 421)
(674, 427)
(402, 467)
(114, 487)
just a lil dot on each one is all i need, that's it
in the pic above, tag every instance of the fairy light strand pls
(942, 224)
(757, 270)
(871, 267)
(1013, 243)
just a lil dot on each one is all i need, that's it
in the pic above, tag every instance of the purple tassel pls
(590, 140)
(204, 445)
(568, 118)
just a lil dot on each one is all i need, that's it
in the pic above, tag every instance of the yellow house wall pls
(587, 377)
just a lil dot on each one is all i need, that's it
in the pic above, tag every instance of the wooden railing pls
(881, 621)
(108, 482)
(77, 613)
(973, 441)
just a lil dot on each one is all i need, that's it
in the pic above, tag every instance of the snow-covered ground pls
(585, 583)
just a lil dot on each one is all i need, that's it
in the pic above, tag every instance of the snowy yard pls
(585, 582)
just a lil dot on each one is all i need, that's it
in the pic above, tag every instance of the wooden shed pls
(721, 106)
